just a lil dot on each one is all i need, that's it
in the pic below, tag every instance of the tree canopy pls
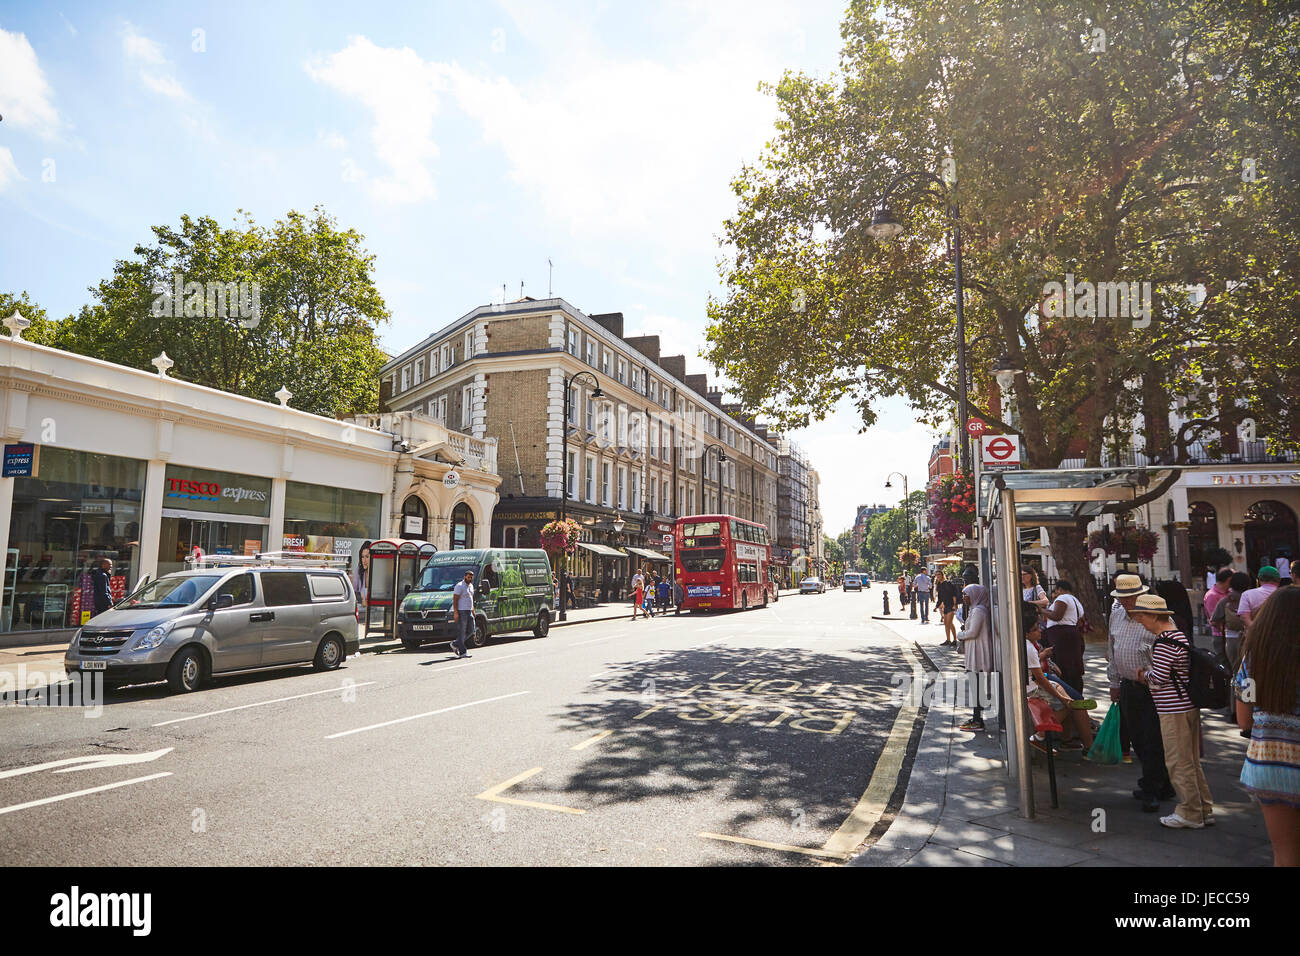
(1148, 141)
(292, 305)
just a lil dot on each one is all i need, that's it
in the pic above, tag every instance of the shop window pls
(462, 527)
(415, 519)
(1202, 534)
(78, 509)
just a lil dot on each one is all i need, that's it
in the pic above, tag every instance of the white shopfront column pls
(151, 520)
(275, 532)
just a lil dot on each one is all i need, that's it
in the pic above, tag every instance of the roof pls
(1057, 496)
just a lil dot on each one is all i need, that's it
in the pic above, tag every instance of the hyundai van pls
(190, 626)
(512, 592)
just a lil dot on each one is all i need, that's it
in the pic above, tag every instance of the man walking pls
(679, 594)
(1129, 659)
(923, 583)
(462, 612)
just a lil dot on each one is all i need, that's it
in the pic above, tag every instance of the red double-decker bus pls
(724, 562)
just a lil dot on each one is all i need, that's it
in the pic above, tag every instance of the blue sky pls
(467, 142)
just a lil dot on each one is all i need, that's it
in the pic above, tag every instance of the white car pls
(812, 586)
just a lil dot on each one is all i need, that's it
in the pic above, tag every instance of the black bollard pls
(886, 597)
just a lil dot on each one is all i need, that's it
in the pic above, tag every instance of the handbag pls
(1105, 746)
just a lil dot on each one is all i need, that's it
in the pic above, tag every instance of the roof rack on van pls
(312, 559)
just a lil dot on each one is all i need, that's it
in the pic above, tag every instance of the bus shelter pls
(394, 568)
(1008, 502)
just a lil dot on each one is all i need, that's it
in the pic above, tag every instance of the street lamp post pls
(907, 527)
(564, 487)
(885, 226)
(722, 456)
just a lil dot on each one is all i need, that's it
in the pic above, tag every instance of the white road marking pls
(487, 660)
(430, 713)
(608, 637)
(93, 762)
(81, 793)
(715, 627)
(696, 647)
(261, 703)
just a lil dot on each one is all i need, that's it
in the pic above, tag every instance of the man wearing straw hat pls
(1180, 719)
(1128, 655)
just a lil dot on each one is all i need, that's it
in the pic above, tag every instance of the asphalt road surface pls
(767, 737)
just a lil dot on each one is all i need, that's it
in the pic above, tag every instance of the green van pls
(512, 592)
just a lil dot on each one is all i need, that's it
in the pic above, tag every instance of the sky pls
(468, 143)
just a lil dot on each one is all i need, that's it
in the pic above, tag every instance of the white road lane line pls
(430, 713)
(715, 627)
(488, 660)
(262, 703)
(608, 637)
(81, 793)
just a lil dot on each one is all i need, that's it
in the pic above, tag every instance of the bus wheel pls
(764, 597)
(744, 601)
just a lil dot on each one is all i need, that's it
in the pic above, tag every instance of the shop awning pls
(648, 554)
(603, 550)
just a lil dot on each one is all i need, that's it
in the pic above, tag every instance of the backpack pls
(1208, 682)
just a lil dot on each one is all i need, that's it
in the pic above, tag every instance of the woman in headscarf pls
(976, 639)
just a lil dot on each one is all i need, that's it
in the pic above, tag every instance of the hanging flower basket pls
(1131, 540)
(560, 538)
(952, 508)
(907, 557)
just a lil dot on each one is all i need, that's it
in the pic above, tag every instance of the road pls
(751, 738)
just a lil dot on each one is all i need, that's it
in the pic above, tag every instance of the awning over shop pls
(602, 550)
(648, 554)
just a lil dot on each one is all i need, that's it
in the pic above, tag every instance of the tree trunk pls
(1072, 565)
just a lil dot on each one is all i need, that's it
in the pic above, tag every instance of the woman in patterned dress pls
(1268, 706)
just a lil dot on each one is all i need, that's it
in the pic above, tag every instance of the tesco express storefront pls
(105, 461)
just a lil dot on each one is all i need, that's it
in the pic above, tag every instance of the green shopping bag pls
(1105, 746)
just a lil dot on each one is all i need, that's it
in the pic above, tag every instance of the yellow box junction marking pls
(494, 794)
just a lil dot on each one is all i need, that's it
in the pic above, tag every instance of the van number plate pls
(422, 627)
(94, 665)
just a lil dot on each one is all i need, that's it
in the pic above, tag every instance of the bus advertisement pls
(724, 562)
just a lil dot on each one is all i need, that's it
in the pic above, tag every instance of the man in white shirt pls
(923, 584)
(462, 612)
(1283, 566)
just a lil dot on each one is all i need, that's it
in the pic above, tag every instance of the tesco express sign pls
(212, 491)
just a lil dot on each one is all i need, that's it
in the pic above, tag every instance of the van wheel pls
(186, 671)
(480, 636)
(543, 625)
(330, 653)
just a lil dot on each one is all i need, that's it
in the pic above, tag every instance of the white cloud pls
(25, 96)
(332, 139)
(157, 73)
(8, 169)
(401, 91)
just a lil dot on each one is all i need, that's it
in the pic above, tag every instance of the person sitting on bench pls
(1056, 692)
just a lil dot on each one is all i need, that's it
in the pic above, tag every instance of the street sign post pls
(977, 426)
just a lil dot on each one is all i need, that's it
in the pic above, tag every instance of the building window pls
(1202, 534)
(573, 342)
(415, 519)
(591, 352)
(690, 497)
(406, 377)
(462, 527)
(622, 371)
(622, 487)
(433, 363)
(604, 483)
(419, 371)
(589, 487)
(446, 356)
(573, 474)
(591, 415)
(469, 344)
(466, 407)
(604, 360)
(636, 378)
(636, 491)
(667, 495)
(442, 409)
(654, 492)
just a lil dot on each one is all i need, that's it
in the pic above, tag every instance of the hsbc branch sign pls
(999, 452)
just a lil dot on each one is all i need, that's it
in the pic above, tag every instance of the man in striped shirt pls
(1180, 719)
(1128, 653)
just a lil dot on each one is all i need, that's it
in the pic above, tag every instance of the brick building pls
(639, 454)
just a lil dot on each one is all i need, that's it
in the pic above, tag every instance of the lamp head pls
(598, 393)
(884, 225)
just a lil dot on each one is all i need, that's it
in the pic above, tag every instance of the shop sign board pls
(20, 461)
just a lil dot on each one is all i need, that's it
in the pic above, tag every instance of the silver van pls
(192, 625)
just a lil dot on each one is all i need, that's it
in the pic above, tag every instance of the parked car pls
(812, 586)
(193, 625)
(512, 592)
(852, 582)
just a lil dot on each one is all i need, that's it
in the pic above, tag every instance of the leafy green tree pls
(302, 311)
(1145, 141)
(831, 548)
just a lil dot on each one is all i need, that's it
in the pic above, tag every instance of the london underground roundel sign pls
(1000, 451)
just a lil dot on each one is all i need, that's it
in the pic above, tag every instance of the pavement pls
(961, 808)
